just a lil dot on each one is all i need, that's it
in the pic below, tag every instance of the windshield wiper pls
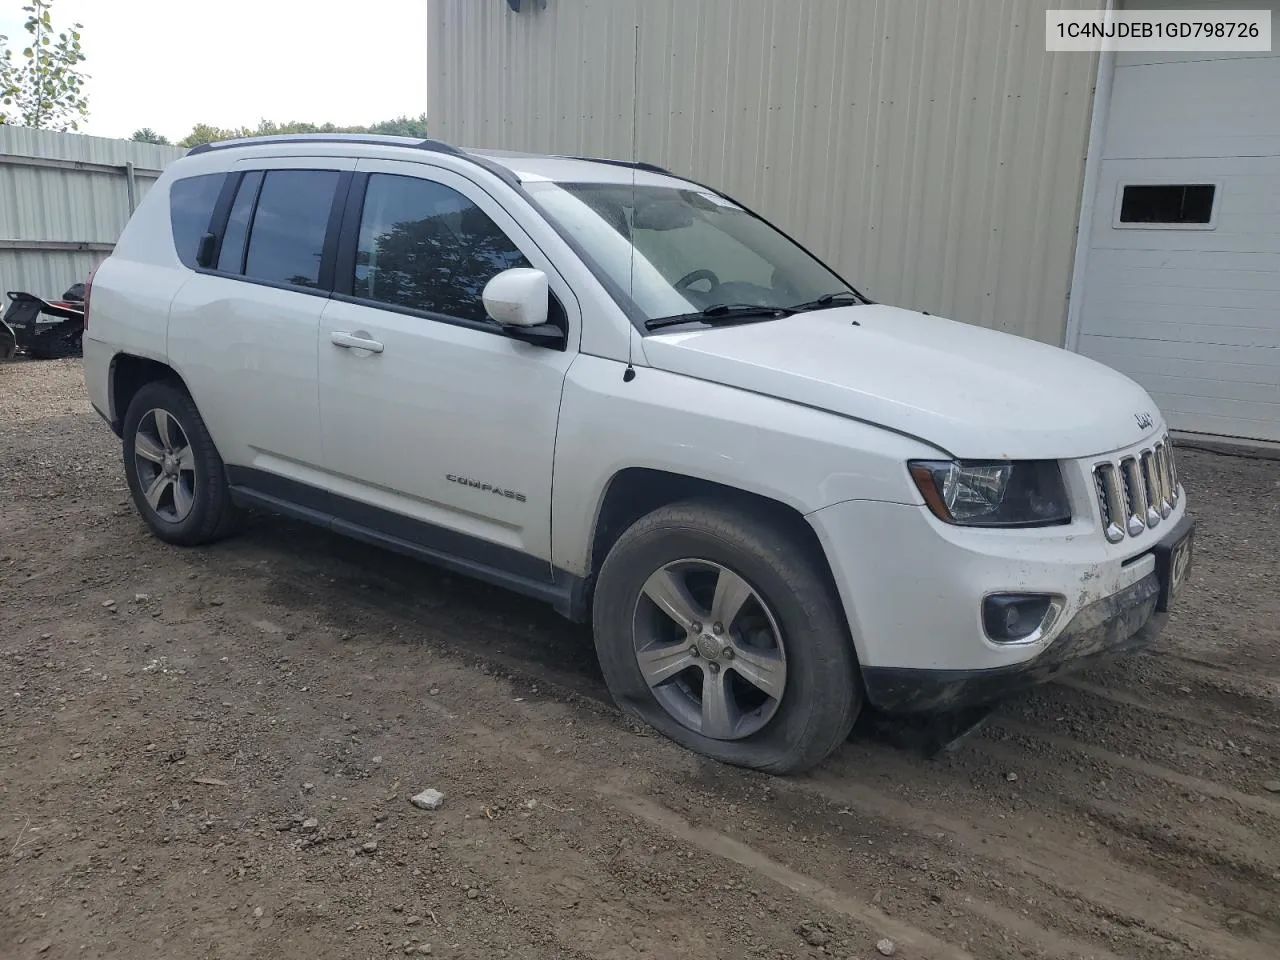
(721, 313)
(841, 298)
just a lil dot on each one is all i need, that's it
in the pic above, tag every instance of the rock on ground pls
(428, 800)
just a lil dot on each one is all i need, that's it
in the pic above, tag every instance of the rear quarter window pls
(191, 203)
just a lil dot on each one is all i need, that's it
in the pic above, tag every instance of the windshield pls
(694, 249)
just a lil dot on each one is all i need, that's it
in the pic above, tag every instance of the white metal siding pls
(931, 150)
(1193, 314)
(79, 206)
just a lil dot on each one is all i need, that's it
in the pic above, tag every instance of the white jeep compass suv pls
(622, 392)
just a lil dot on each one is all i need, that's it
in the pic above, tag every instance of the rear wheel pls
(721, 630)
(175, 475)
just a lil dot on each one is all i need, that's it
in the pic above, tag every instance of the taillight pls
(88, 291)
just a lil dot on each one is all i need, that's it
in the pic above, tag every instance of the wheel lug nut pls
(715, 667)
(693, 651)
(728, 653)
(697, 627)
(717, 628)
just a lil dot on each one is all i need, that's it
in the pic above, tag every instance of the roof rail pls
(380, 140)
(636, 164)
(439, 146)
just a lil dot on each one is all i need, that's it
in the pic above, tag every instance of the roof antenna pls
(630, 373)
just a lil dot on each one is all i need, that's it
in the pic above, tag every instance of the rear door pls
(242, 331)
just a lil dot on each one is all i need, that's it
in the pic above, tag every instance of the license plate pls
(1173, 566)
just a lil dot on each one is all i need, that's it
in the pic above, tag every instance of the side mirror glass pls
(517, 297)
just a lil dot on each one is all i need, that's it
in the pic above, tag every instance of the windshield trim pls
(633, 313)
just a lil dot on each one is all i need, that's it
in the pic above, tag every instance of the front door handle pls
(355, 341)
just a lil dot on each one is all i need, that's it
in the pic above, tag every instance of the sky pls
(170, 64)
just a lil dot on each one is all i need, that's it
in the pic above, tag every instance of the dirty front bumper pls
(1124, 621)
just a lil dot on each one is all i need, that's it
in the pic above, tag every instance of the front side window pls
(286, 241)
(427, 247)
(674, 251)
(191, 203)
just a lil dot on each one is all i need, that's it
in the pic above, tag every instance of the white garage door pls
(1182, 275)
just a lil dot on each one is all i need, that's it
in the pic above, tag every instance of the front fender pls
(804, 458)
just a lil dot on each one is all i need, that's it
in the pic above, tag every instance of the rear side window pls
(191, 203)
(427, 247)
(287, 239)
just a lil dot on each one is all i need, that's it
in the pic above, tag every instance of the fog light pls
(1016, 617)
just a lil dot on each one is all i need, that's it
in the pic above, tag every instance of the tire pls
(693, 542)
(194, 507)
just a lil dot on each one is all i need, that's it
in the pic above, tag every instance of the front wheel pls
(721, 630)
(175, 475)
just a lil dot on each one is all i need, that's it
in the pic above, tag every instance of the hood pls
(974, 393)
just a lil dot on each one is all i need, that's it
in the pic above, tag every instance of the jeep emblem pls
(1145, 420)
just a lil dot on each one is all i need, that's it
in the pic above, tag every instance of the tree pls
(8, 88)
(44, 87)
(147, 135)
(204, 133)
(400, 126)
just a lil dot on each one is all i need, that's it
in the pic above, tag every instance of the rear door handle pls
(355, 341)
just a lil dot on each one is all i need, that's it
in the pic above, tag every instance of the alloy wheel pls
(710, 649)
(165, 464)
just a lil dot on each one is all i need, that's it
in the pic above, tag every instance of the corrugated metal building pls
(931, 150)
(64, 198)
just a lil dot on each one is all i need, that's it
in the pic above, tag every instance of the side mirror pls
(517, 297)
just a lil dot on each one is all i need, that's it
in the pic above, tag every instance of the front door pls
(437, 429)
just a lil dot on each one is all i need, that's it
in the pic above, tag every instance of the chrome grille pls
(1137, 491)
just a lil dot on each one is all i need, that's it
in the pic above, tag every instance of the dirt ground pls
(209, 754)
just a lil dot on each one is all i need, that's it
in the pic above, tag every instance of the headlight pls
(994, 493)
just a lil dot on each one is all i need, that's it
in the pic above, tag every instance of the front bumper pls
(1127, 620)
(912, 589)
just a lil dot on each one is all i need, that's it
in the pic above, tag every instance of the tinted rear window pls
(289, 226)
(191, 203)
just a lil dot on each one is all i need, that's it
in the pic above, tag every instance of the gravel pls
(1133, 826)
